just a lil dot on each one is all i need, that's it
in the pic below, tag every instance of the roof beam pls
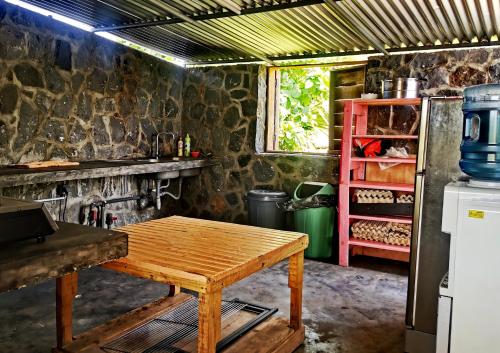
(209, 16)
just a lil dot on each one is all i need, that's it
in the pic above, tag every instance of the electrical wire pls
(60, 209)
(65, 207)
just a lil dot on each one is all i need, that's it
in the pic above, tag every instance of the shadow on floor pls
(359, 309)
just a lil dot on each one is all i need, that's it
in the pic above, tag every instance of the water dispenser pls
(481, 134)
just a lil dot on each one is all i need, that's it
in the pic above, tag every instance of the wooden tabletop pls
(203, 255)
(71, 248)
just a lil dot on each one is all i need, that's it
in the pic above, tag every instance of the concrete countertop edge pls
(107, 169)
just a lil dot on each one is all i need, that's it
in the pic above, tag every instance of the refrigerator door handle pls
(415, 250)
(422, 134)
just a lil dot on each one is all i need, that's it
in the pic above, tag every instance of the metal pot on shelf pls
(401, 87)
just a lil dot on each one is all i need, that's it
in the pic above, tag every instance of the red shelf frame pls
(352, 171)
(384, 102)
(362, 184)
(404, 220)
(378, 245)
(394, 137)
(384, 160)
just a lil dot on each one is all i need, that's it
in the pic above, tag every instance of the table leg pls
(173, 290)
(209, 321)
(295, 282)
(66, 288)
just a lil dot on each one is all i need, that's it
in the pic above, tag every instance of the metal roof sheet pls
(202, 31)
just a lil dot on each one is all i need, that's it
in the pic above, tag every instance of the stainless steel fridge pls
(440, 135)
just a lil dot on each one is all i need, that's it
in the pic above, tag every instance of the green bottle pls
(187, 146)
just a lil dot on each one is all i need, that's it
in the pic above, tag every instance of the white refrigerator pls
(469, 300)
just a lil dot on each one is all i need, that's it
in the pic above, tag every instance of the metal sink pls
(190, 172)
(169, 174)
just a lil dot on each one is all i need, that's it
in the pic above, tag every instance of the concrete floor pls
(359, 309)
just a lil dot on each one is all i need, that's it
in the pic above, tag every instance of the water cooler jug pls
(481, 135)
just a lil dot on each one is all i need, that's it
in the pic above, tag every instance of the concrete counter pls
(10, 176)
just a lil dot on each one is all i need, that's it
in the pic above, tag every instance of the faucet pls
(156, 153)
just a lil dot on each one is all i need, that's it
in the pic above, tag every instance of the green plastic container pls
(316, 222)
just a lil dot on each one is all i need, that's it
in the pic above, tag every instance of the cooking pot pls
(401, 88)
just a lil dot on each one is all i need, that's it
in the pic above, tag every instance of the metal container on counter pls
(401, 88)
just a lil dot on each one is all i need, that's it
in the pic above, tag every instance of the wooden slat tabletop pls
(203, 255)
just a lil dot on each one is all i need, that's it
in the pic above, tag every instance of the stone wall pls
(221, 118)
(68, 94)
(65, 93)
(446, 72)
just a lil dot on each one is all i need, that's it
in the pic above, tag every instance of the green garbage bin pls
(316, 222)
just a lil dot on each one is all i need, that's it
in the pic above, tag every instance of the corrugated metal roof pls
(201, 31)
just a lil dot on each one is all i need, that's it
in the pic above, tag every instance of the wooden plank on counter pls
(46, 164)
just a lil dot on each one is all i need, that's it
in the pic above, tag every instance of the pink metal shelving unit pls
(352, 174)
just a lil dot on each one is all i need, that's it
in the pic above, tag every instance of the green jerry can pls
(318, 223)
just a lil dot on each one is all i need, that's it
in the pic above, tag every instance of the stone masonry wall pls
(221, 117)
(446, 73)
(65, 93)
(68, 94)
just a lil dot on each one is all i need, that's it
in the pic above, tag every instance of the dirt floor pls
(359, 309)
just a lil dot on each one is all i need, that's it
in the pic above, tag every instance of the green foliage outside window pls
(304, 95)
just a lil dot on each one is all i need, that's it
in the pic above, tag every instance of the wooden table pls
(206, 256)
(71, 248)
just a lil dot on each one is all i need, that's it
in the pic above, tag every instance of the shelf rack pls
(352, 175)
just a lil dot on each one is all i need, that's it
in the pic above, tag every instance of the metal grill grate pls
(178, 328)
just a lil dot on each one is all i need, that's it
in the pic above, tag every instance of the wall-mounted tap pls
(156, 151)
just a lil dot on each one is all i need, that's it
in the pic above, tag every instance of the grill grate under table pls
(179, 327)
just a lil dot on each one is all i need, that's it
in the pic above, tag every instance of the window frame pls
(272, 111)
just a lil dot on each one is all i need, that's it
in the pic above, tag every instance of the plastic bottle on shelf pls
(180, 146)
(187, 146)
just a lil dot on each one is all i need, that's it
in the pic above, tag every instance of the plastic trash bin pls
(264, 210)
(316, 222)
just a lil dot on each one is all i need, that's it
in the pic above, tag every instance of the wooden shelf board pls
(384, 160)
(378, 245)
(273, 335)
(396, 137)
(381, 185)
(385, 102)
(404, 220)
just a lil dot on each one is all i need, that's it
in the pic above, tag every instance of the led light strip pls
(107, 35)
